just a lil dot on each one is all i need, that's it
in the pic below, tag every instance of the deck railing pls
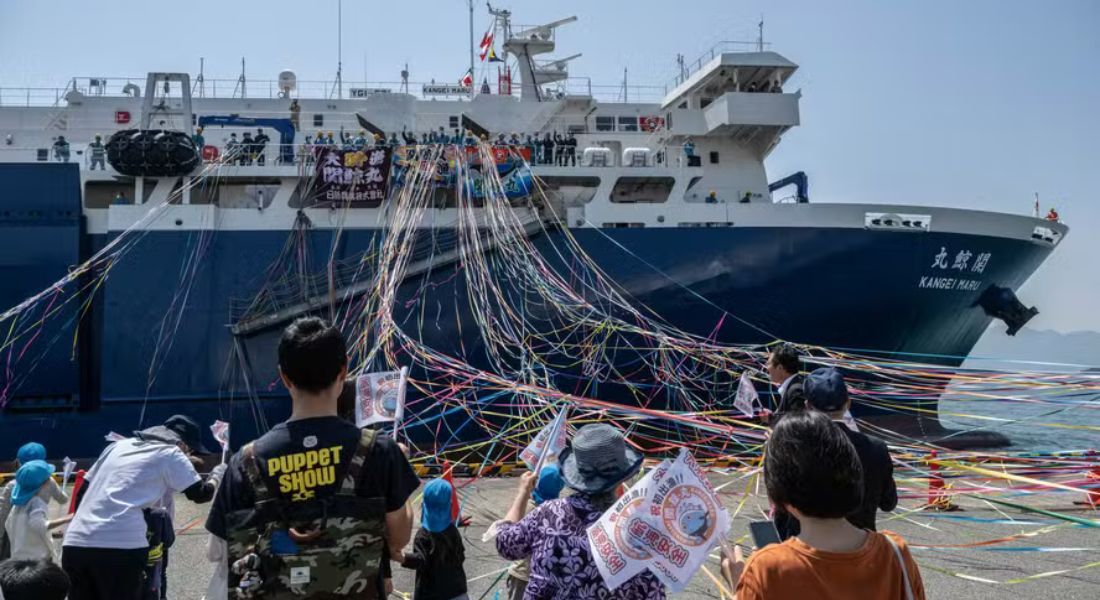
(120, 87)
(723, 47)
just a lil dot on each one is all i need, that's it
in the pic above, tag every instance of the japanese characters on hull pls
(943, 265)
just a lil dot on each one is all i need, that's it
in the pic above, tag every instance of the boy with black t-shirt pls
(304, 461)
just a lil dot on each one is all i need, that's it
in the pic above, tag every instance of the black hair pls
(33, 580)
(345, 402)
(810, 464)
(788, 357)
(312, 353)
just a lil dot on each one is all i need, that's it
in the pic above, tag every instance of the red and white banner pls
(220, 429)
(746, 399)
(380, 397)
(667, 523)
(548, 444)
(619, 554)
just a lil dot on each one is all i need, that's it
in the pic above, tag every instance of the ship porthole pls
(179, 222)
(660, 218)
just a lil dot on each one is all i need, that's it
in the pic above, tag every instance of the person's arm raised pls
(523, 496)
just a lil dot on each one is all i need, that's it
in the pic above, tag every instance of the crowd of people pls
(319, 508)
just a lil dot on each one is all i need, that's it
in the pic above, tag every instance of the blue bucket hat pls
(435, 515)
(825, 389)
(549, 485)
(28, 479)
(31, 451)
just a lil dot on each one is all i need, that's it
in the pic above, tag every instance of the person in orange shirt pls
(812, 470)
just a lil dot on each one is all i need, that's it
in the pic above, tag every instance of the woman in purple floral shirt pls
(554, 536)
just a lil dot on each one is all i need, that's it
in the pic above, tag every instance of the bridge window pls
(605, 123)
(318, 120)
(453, 121)
(650, 190)
(628, 123)
(713, 157)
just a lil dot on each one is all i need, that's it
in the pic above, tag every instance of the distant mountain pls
(1073, 351)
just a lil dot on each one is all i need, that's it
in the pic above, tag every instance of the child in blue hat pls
(438, 552)
(548, 487)
(51, 491)
(28, 524)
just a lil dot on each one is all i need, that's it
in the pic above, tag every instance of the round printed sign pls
(627, 542)
(689, 515)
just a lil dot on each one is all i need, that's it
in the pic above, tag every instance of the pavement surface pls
(948, 572)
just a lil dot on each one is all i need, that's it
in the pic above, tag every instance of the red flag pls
(486, 44)
(467, 79)
(449, 477)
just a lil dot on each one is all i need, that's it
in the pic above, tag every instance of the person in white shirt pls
(28, 524)
(106, 548)
(49, 491)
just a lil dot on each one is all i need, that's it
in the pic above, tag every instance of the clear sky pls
(972, 104)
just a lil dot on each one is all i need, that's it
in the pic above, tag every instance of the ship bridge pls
(737, 93)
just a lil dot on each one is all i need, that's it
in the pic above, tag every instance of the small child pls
(438, 553)
(548, 487)
(28, 452)
(28, 523)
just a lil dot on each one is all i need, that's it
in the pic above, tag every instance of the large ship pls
(665, 189)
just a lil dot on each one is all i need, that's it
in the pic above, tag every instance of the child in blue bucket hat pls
(28, 524)
(51, 491)
(438, 552)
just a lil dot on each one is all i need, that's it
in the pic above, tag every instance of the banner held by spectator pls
(380, 397)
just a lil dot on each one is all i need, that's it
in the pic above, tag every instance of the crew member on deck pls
(61, 149)
(260, 143)
(1052, 215)
(98, 153)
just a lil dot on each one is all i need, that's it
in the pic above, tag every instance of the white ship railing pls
(724, 47)
(79, 154)
(114, 87)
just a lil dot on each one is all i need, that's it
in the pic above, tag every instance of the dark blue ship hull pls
(157, 339)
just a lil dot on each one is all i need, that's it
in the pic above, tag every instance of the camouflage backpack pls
(327, 548)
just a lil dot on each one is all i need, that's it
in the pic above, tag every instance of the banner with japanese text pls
(746, 399)
(548, 443)
(667, 523)
(380, 397)
(350, 177)
(619, 555)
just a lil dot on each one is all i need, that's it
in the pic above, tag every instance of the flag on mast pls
(467, 79)
(493, 55)
(486, 44)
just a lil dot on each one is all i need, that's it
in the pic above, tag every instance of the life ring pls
(210, 153)
(652, 123)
